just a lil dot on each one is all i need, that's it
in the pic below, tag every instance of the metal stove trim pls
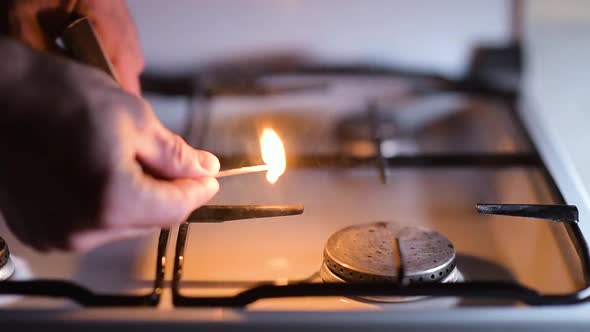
(86, 297)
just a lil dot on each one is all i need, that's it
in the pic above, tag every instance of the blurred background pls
(183, 39)
(224, 47)
(424, 35)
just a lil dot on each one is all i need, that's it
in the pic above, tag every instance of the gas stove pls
(377, 211)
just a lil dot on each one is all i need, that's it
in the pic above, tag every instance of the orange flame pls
(273, 154)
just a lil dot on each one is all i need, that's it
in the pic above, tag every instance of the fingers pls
(169, 156)
(168, 203)
(25, 27)
(129, 80)
(164, 154)
(119, 38)
(129, 64)
(37, 23)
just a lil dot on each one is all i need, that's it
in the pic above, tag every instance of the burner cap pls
(357, 139)
(364, 253)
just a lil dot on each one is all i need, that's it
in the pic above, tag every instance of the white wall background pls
(425, 34)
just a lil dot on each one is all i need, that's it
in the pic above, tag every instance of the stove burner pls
(358, 127)
(358, 134)
(364, 253)
(6, 265)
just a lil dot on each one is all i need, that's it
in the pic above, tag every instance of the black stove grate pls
(468, 289)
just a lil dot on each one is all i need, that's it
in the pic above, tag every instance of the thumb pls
(168, 155)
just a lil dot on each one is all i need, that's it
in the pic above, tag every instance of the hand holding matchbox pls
(273, 155)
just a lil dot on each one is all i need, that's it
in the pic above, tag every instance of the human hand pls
(39, 22)
(85, 163)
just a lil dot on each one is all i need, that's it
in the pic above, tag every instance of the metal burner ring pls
(364, 253)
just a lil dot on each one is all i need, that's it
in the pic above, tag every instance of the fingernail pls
(209, 162)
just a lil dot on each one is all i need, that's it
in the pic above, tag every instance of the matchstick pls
(242, 170)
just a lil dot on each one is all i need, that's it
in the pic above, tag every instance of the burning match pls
(273, 155)
(242, 170)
